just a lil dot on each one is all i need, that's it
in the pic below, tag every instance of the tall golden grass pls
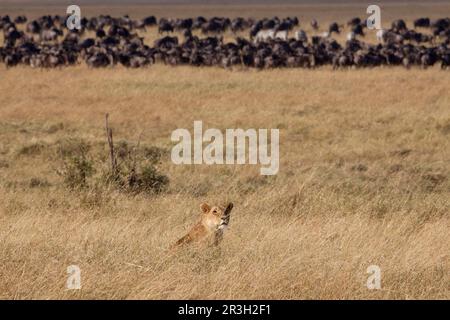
(364, 180)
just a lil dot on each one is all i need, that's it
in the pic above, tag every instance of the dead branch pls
(109, 135)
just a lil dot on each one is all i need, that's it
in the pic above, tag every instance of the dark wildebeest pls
(422, 23)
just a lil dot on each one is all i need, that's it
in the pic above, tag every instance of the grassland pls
(364, 180)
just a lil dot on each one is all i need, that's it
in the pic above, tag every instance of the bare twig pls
(111, 146)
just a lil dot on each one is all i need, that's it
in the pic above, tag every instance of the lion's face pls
(216, 217)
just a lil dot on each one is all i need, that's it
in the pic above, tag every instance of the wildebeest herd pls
(105, 41)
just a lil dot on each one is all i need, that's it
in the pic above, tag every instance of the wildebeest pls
(46, 43)
(314, 24)
(422, 22)
(165, 25)
(399, 26)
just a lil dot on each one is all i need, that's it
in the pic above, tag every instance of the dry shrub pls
(136, 169)
(39, 183)
(31, 149)
(78, 167)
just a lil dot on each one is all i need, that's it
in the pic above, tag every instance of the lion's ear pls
(205, 207)
(229, 208)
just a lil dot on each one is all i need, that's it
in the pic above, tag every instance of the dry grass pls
(364, 179)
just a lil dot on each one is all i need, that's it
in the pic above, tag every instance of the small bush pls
(72, 147)
(77, 167)
(153, 154)
(54, 127)
(4, 164)
(123, 150)
(145, 178)
(77, 170)
(444, 127)
(359, 167)
(31, 149)
(149, 180)
(136, 170)
(38, 183)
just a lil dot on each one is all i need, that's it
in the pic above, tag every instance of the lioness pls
(212, 224)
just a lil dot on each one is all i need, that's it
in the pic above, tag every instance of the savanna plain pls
(364, 180)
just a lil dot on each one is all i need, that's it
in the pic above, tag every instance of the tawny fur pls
(210, 227)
